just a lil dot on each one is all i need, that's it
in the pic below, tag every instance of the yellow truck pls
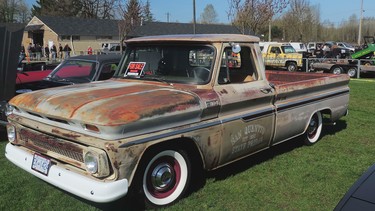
(281, 55)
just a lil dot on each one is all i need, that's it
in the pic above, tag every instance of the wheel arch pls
(186, 144)
(323, 111)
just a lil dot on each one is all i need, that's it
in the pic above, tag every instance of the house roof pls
(104, 27)
(80, 26)
(163, 28)
(204, 38)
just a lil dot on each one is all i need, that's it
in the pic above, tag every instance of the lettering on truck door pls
(246, 110)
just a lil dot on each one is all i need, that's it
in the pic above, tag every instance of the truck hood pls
(114, 103)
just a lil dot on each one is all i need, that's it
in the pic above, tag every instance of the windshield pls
(74, 71)
(170, 63)
(288, 49)
(348, 45)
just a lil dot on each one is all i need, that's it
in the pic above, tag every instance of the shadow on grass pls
(333, 129)
(3, 134)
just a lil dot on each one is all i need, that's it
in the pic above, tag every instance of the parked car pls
(336, 51)
(315, 48)
(32, 72)
(75, 70)
(361, 196)
(115, 50)
(299, 47)
(347, 46)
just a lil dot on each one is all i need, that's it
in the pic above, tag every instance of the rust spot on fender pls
(111, 147)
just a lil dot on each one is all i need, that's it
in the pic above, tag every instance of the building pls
(80, 33)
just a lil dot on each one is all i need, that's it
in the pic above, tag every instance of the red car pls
(32, 72)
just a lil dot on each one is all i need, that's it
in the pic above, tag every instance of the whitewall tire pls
(166, 177)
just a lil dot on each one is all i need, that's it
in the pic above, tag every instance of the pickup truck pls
(281, 55)
(178, 105)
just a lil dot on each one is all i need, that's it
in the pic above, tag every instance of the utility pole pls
(269, 32)
(194, 21)
(360, 25)
(168, 14)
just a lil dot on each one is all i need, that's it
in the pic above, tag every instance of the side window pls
(237, 67)
(275, 50)
(107, 71)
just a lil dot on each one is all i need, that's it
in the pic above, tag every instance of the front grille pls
(45, 143)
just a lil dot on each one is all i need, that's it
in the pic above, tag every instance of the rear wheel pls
(352, 71)
(314, 129)
(166, 177)
(336, 70)
(291, 66)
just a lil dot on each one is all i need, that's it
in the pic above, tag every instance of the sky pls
(181, 11)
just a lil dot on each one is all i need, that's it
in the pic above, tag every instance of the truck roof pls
(204, 38)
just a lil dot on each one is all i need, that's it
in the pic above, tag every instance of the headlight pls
(91, 162)
(11, 132)
(8, 109)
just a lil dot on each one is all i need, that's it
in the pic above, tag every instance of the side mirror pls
(236, 48)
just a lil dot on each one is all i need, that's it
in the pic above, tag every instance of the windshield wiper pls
(58, 79)
(155, 78)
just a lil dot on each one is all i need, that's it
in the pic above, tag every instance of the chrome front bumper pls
(69, 181)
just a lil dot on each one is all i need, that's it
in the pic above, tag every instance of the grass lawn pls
(290, 176)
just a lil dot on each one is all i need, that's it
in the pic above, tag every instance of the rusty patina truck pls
(177, 105)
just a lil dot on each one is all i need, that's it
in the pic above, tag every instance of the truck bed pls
(293, 81)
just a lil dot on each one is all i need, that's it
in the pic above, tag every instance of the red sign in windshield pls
(135, 68)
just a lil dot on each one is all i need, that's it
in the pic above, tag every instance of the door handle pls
(266, 90)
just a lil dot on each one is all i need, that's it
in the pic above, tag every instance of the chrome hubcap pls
(162, 176)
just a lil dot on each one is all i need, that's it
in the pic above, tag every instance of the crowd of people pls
(37, 52)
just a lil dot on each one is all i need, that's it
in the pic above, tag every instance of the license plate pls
(41, 164)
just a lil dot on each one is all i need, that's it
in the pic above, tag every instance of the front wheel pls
(166, 177)
(314, 129)
(291, 67)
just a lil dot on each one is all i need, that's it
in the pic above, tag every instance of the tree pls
(132, 15)
(12, 11)
(300, 21)
(254, 14)
(209, 15)
(148, 16)
(100, 9)
(66, 8)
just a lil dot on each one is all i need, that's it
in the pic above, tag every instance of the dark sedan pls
(361, 196)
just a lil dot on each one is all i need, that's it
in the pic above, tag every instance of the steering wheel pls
(201, 73)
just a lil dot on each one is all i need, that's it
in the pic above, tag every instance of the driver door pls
(246, 112)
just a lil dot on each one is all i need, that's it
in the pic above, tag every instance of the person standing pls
(38, 51)
(46, 52)
(53, 52)
(89, 51)
(67, 51)
(60, 51)
(30, 51)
